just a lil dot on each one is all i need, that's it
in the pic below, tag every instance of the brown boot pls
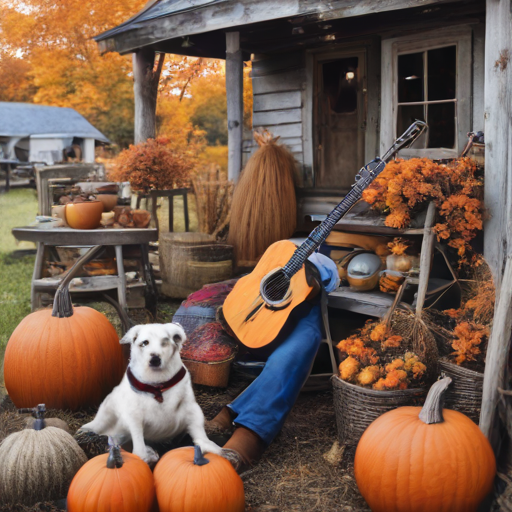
(220, 428)
(244, 449)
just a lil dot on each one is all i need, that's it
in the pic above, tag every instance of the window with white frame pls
(428, 77)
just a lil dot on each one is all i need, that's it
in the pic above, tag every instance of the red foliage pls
(154, 165)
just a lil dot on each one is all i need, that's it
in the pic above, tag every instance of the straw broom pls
(264, 207)
(416, 326)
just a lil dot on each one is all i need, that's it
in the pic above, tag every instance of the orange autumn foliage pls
(468, 341)
(405, 186)
(361, 366)
(154, 165)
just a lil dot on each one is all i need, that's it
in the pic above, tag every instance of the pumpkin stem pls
(38, 413)
(432, 410)
(62, 305)
(199, 460)
(115, 459)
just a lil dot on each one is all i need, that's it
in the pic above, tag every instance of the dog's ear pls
(131, 335)
(176, 333)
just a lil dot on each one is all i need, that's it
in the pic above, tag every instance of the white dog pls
(154, 401)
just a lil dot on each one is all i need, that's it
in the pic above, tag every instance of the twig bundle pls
(213, 196)
(264, 208)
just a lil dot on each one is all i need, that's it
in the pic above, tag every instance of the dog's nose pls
(155, 360)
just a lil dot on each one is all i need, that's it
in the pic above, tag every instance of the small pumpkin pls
(414, 459)
(185, 481)
(38, 464)
(67, 357)
(116, 481)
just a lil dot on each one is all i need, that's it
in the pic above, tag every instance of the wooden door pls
(339, 119)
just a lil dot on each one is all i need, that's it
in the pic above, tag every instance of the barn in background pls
(38, 133)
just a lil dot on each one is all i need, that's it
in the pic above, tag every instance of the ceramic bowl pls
(85, 215)
(108, 200)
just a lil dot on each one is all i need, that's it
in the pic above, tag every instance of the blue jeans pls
(265, 404)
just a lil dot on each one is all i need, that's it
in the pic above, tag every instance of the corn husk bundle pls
(213, 196)
(264, 208)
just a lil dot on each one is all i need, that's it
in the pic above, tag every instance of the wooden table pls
(85, 238)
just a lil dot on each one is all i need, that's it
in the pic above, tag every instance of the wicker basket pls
(210, 374)
(206, 272)
(465, 392)
(178, 250)
(357, 407)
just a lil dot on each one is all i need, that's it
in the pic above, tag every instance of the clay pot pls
(85, 215)
(119, 210)
(141, 218)
(109, 201)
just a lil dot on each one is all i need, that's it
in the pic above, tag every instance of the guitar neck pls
(365, 176)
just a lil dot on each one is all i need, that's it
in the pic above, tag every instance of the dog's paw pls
(208, 446)
(151, 457)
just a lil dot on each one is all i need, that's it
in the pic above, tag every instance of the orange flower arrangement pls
(455, 188)
(474, 318)
(361, 366)
(468, 341)
(398, 246)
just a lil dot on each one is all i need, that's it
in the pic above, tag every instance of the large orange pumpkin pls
(66, 358)
(117, 481)
(186, 481)
(414, 459)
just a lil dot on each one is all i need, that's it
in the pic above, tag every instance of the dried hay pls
(213, 198)
(38, 507)
(38, 465)
(480, 296)
(293, 474)
(264, 208)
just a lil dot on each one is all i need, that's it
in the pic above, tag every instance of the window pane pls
(407, 115)
(441, 125)
(410, 77)
(441, 73)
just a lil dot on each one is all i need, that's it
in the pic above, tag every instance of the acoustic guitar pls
(260, 303)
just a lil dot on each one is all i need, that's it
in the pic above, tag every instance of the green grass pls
(17, 208)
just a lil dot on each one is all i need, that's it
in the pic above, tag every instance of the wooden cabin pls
(339, 80)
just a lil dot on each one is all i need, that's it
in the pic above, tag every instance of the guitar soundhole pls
(275, 287)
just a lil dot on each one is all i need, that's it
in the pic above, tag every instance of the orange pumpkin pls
(117, 481)
(414, 459)
(185, 481)
(66, 358)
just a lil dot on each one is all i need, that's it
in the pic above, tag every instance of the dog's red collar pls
(157, 389)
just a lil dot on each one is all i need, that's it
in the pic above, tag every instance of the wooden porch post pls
(145, 87)
(498, 199)
(234, 93)
(498, 135)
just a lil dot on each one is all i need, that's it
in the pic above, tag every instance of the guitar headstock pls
(406, 139)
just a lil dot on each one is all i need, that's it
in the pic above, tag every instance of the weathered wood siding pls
(278, 83)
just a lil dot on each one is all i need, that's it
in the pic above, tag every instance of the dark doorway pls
(339, 117)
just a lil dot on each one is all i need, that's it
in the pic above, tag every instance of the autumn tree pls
(47, 56)
(51, 59)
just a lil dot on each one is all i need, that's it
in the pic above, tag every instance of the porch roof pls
(166, 25)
